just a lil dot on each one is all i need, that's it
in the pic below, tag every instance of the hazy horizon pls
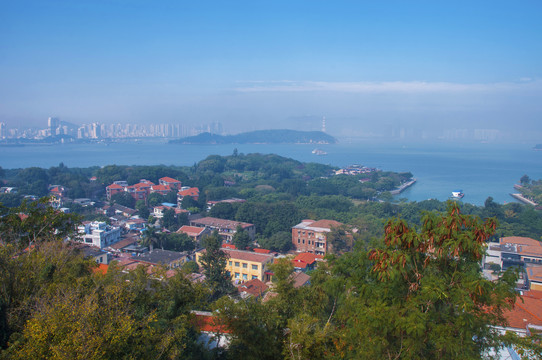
(414, 69)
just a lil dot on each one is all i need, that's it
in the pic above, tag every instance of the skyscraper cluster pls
(56, 127)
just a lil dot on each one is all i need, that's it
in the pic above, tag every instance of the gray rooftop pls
(158, 256)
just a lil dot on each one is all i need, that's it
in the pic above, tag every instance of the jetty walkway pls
(523, 199)
(403, 187)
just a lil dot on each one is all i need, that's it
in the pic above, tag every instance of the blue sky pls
(365, 65)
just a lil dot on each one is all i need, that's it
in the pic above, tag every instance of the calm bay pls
(479, 169)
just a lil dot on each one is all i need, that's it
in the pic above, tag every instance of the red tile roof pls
(101, 269)
(248, 255)
(191, 230)
(520, 240)
(262, 251)
(535, 294)
(169, 180)
(143, 185)
(194, 191)
(229, 246)
(123, 243)
(300, 279)
(207, 322)
(525, 245)
(254, 287)
(299, 264)
(160, 188)
(526, 312)
(534, 272)
(115, 186)
(308, 258)
(326, 224)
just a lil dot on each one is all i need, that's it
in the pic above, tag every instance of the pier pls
(401, 188)
(523, 199)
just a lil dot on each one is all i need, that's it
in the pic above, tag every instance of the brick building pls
(311, 236)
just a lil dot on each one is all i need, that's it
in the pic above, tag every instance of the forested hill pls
(261, 136)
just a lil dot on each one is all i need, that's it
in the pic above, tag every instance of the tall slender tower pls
(324, 124)
(53, 123)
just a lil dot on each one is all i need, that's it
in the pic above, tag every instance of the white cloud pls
(381, 87)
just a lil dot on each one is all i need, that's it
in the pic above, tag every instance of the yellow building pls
(244, 265)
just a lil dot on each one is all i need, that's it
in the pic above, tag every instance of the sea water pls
(480, 170)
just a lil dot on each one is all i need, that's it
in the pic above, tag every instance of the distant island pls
(261, 137)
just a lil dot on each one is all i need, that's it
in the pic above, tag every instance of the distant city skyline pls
(59, 128)
(428, 68)
(56, 127)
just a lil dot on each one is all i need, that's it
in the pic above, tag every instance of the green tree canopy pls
(34, 222)
(280, 241)
(223, 211)
(142, 209)
(123, 198)
(178, 242)
(422, 295)
(213, 262)
(241, 239)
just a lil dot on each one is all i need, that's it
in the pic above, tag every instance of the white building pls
(98, 233)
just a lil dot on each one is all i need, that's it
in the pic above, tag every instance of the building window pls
(298, 241)
(237, 275)
(245, 277)
(245, 265)
(303, 241)
(237, 263)
(230, 263)
(254, 277)
(254, 267)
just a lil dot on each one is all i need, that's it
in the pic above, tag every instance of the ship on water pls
(319, 152)
(457, 194)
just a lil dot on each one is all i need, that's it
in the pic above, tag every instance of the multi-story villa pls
(98, 234)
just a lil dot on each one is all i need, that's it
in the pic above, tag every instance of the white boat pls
(457, 194)
(319, 152)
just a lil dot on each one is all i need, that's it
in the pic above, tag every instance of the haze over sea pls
(479, 169)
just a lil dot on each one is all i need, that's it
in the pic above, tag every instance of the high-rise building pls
(3, 131)
(81, 132)
(95, 132)
(53, 123)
